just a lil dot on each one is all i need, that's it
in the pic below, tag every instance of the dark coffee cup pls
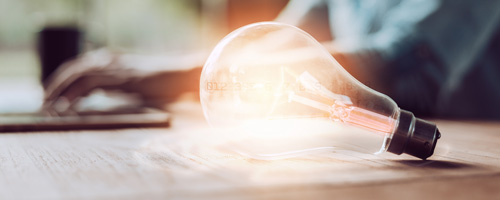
(57, 45)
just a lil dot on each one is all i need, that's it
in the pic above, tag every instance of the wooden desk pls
(164, 164)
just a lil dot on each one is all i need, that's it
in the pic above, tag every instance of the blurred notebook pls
(19, 112)
(39, 122)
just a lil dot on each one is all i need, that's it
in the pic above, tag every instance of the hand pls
(157, 80)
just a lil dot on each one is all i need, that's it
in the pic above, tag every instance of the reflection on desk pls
(171, 163)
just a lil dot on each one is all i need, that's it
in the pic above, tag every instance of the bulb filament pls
(340, 108)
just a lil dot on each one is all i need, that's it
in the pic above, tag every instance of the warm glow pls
(282, 93)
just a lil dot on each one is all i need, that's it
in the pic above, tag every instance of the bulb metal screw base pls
(414, 136)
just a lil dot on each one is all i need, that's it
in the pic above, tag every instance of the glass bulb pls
(280, 92)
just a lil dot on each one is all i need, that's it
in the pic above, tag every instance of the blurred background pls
(134, 26)
(436, 58)
(125, 26)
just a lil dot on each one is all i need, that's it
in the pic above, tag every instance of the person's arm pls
(156, 79)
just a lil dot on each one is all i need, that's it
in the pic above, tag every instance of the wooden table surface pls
(172, 163)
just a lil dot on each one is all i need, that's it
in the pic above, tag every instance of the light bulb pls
(273, 82)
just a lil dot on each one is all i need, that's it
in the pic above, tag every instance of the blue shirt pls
(436, 58)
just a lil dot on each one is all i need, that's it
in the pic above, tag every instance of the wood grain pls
(177, 163)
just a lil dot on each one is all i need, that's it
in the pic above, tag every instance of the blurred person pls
(437, 58)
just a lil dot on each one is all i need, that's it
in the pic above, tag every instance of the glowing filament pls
(340, 110)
